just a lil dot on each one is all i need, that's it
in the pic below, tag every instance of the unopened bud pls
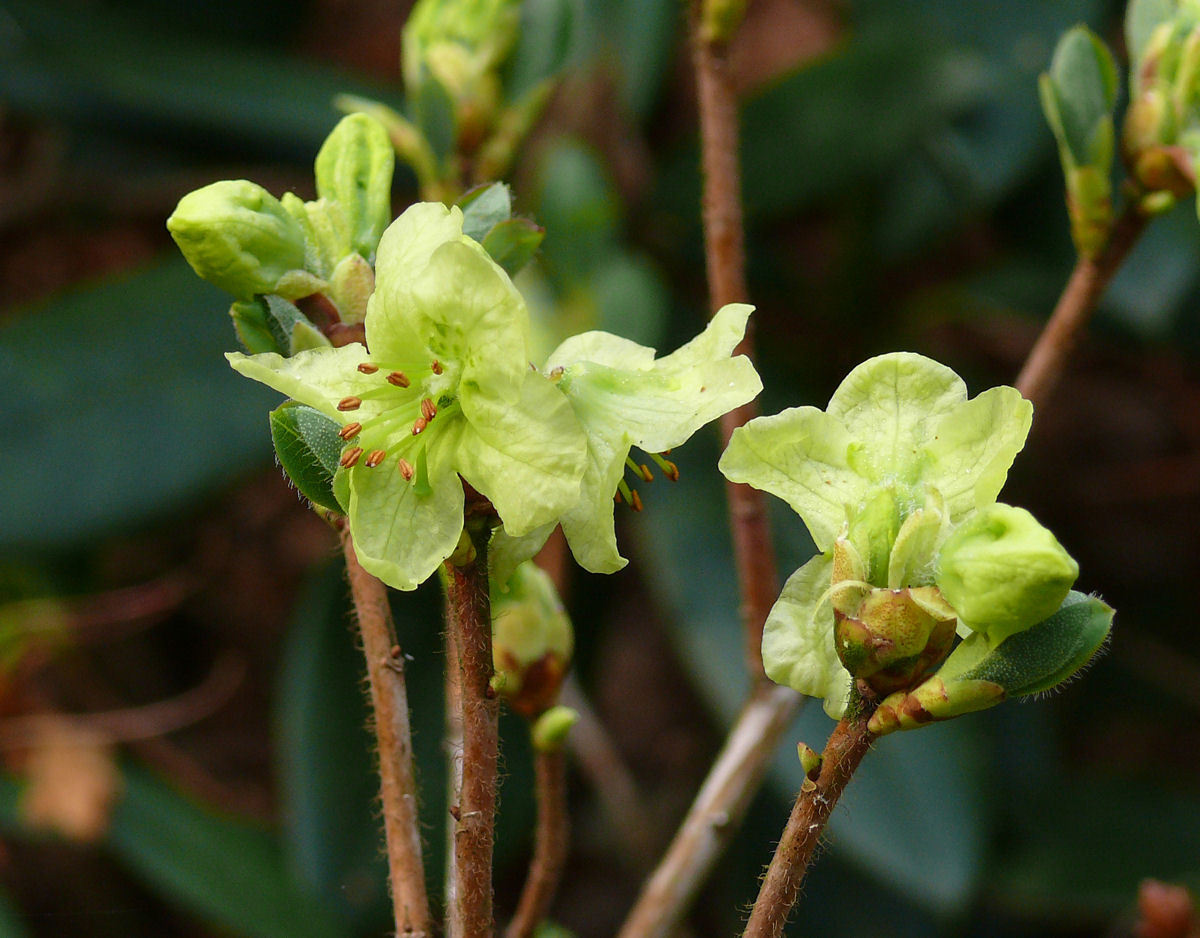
(1003, 572)
(238, 237)
(532, 641)
(354, 169)
(551, 728)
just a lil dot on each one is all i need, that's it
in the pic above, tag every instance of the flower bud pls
(237, 236)
(532, 641)
(1003, 572)
(551, 728)
(457, 40)
(894, 637)
(354, 169)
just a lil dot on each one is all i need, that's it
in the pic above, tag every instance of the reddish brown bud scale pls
(350, 457)
(350, 431)
(375, 457)
(349, 403)
(368, 368)
(398, 378)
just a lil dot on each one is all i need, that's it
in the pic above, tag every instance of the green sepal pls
(252, 327)
(306, 336)
(354, 169)
(484, 207)
(308, 447)
(512, 243)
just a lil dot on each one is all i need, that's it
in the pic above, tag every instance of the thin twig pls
(398, 789)
(550, 845)
(452, 742)
(715, 815)
(847, 745)
(1087, 283)
(470, 620)
(725, 260)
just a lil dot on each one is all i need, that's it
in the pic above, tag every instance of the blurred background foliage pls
(157, 574)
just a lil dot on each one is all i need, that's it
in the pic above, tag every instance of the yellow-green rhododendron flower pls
(899, 458)
(445, 390)
(624, 397)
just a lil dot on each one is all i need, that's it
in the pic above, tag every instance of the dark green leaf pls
(10, 920)
(326, 771)
(484, 207)
(645, 32)
(1079, 95)
(1049, 653)
(121, 408)
(513, 243)
(222, 868)
(579, 209)
(433, 113)
(253, 327)
(1088, 842)
(308, 447)
(94, 66)
(550, 36)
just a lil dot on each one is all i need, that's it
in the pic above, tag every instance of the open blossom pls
(624, 397)
(442, 390)
(897, 483)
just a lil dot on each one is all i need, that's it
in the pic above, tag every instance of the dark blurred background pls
(182, 742)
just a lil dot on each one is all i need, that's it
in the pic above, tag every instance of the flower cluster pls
(897, 483)
(442, 392)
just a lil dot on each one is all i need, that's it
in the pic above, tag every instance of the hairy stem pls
(1086, 285)
(469, 620)
(725, 261)
(453, 743)
(845, 749)
(398, 788)
(550, 845)
(715, 815)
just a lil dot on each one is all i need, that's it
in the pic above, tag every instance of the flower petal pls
(797, 646)
(526, 456)
(468, 311)
(890, 405)
(588, 525)
(722, 335)
(973, 448)
(603, 348)
(506, 553)
(802, 456)
(320, 377)
(402, 536)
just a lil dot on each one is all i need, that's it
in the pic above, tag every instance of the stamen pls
(643, 470)
(556, 373)
(350, 431)
(428, 410)
(623, 492)
(350, 403)
(419, 424)
(350, 457)
(368, 368)
(375, 457)
(398, 378)
(436, 367)
(617, 497)
(406, 469)
(669, 469)
(636, 501)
